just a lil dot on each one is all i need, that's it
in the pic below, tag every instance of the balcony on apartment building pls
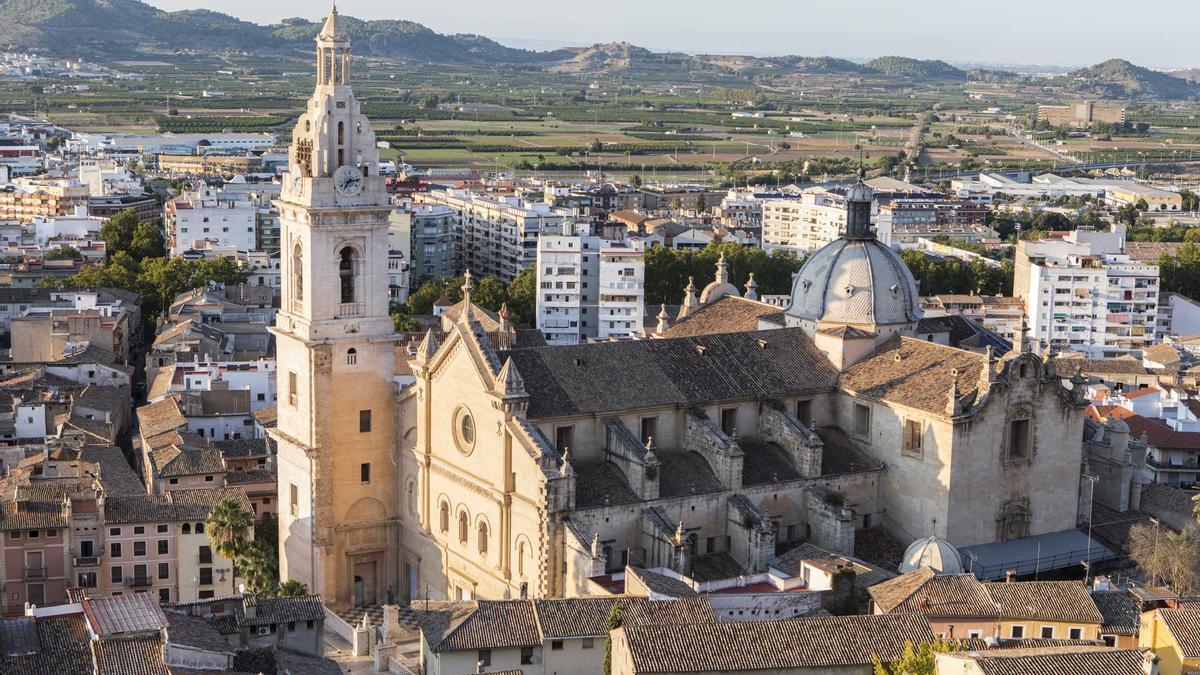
(35, 573)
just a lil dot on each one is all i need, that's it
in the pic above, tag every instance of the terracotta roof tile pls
(1121, 611)
(922, 591)
(1045, 600)
(729, 314)
(1184, 625)
(280, 610)
(1057, 661)
(117, 615)
(618, 376)
(825, 642)
(130, 655)
(914, 373)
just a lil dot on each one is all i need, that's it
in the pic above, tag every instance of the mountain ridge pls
(119, 28)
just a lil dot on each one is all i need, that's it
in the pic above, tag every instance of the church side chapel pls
(485, 466)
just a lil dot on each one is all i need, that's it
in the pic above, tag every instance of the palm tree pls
(292, 589)
(228, 524)
(258, 566)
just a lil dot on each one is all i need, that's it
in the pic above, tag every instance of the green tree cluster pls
(125, 233)
(936, 276)
(917, 659)
(487, 292)
(1180, 273)
(667, 270)
(158, 280)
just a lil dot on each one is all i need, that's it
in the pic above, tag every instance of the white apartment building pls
(589, 288)
(208, 219)
(1081, 296)
(497, 235)
(78, 225)
(806, 223)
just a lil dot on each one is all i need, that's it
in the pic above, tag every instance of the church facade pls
(492, 469)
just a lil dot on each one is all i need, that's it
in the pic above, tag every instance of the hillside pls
(899, 66)
(1119, 78)
(108, 28)
(617, 57)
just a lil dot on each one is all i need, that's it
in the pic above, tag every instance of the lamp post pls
(1154, 565)
(1093, 479)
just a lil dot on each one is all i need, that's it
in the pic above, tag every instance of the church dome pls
(932, 552)
(857, 281)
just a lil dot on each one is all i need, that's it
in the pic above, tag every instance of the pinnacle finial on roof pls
(751, 288)
(427, 348)
(690, 302)
(508, 381)
(664, 321)
(722, 269)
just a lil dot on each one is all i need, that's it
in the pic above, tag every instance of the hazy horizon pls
(1061, 32)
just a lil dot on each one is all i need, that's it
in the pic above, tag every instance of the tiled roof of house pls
(62, 649)
(1121, 611)
(1045, 600)
(1160, 435)
(660, 583)
(825, 642)
(186, 460)
(1162, 353)
(241, 448)
(194, 631)
(1184, 625)
(160, 417)
(865, 574)
(1057, 661)
(729, 314)
(130, 655)
(1122, 365)
(117, 615)
(280, 610)
(914, 373)
(31, 515)
(618, 376)
(482, 624)
(172, 506)
(922, 591)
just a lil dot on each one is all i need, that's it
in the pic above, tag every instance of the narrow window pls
(729, 421)
(351, 356)
(1018, 439)
(293, 395)
(364, 421)
(364, 472)
(564, 438)
(912, 437)
(804, 412)
(462, 527)
(295, 501)
(1048, 632)
(297, 273)
(483, 538)
(862, 420)
(649, 429)
(346, 274)
(444, 517)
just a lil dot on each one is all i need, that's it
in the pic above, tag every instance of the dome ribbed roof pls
(933, 552)
(855, 281)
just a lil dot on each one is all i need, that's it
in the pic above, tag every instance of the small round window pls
(464, 429)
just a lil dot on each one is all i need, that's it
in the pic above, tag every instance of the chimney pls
(1149, 663)
(1009, 576)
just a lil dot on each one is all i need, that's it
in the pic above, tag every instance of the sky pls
(1153, 33)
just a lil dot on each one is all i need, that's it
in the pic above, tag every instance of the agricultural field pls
(702, 125)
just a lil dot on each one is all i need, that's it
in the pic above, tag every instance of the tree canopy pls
(667, 270)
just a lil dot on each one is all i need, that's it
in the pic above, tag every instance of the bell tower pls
(338, 528)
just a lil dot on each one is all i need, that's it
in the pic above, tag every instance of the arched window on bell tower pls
(297, 274)
(346, 273)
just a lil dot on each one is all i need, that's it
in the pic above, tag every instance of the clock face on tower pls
(348, 180)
